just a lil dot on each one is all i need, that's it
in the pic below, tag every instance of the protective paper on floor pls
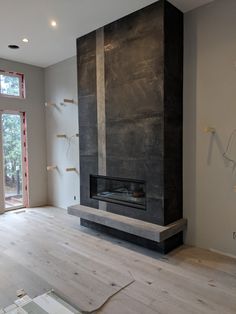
(48, 303)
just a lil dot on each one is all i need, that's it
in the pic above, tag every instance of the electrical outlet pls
(234, 235)
(75, 200)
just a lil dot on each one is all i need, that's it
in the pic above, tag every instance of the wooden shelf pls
(133, 226)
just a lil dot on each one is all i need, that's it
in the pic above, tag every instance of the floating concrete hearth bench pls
(136, 227)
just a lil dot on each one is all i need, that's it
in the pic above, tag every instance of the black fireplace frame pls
(119, 202)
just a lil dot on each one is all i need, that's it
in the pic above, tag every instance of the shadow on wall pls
(215, 139)
(228, 158)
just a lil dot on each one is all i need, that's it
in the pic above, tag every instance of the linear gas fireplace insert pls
(121, 191)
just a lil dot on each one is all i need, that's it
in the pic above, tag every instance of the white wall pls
(34, 107)
(61, 83)
(210, 100)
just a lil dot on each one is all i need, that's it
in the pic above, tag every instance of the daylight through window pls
(12, 84)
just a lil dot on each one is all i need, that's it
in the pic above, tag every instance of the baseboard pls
(222, 253)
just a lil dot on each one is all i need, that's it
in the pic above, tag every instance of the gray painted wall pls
(34, 107)
(60, 83)
(210, 100)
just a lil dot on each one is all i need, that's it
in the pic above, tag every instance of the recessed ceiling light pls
(25, 40)
(53, 23)
(13, 47)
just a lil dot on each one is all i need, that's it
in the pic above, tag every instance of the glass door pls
(12, 150)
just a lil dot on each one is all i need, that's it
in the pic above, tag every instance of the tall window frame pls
(24, 158)
(20, 77)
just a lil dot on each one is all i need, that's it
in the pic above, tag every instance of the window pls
(12, 84)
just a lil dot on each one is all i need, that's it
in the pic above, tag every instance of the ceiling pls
(47, 46)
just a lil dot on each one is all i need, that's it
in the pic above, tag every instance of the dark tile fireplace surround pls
(130, 81)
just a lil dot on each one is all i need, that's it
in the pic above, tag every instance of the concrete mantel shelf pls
(136, 227)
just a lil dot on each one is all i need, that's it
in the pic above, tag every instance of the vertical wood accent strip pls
(101, 110)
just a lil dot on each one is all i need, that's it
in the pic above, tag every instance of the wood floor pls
(45, 248)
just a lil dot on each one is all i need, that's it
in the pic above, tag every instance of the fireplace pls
(130, 81)
(128, 192)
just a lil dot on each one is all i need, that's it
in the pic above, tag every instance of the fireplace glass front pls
(121, 191)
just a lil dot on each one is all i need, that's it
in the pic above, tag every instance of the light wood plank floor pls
(45, 248)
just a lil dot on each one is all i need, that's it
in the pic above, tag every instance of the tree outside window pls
(12, 84)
